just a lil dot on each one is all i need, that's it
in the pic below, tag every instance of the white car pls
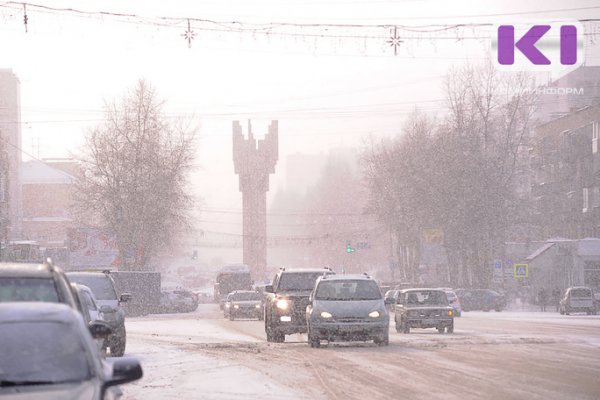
(578, 299)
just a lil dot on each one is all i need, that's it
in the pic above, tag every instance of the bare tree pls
(135, 168)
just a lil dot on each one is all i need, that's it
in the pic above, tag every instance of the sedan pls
(49, 353)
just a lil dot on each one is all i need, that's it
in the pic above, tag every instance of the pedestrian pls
(543, 298)
(556, 297)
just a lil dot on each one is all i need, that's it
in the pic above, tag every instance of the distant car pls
(481, 299)
(347, 308)
(423, 308)
(178, 300)
(453, 301)
(390, 297)
(103, 287)
(244, 304)
(48, 353)
(578, 299)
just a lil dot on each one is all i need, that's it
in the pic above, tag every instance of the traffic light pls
(349, 248)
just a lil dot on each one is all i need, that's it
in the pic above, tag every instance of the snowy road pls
(507, 355)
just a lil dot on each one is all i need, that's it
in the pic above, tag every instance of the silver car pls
(347, 308)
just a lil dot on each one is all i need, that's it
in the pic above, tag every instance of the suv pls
(577, 299)
(245, 304)
(286, 300)
(36, 282)
(347, 307)
(103, 287)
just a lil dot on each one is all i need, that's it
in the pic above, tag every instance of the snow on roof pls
(588, 247)
(35, 171)
(539, 251)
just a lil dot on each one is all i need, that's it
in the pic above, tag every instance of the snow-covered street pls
(502, 355)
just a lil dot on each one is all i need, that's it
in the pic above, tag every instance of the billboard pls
(90, 247)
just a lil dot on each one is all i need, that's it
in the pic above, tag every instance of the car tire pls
(314, 341)
(261, 317)
(450, 329)
(118, 350)
(405, 327)
(441, 329)
(561, 311)
(231, 317)
(383, 340)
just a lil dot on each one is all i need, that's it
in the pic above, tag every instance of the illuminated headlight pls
(257, 306)
(450, 313)
(236, 306)
(326, 315)
(283, 304)
(227, 305)
(374, 314)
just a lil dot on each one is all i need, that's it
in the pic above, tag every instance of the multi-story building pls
(10, 146)
(566, 175)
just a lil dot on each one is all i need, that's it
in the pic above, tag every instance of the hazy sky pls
(325, 92)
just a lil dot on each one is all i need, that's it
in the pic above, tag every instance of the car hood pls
(349, 309)
(248, 302)
(424, 308)
(294, 293)
(75, 391)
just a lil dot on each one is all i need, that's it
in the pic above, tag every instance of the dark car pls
(481, 299)
(244, 304)
(286, 301)
(103, 286)
(48, 353)
(347, 308)
(390, 297)
(178, 300)
(423, 308)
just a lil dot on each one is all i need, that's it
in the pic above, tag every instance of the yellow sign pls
(521, 270)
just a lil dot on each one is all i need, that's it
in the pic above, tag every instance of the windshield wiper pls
(7, 383)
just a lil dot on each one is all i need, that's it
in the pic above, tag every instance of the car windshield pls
(298, 280)
(426, 298)
(100, 285)
(28, 289)
(581, 292)
(246, 297)
(39, 351)
(348, 290)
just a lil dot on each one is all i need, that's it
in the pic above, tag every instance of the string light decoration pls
(358, 35)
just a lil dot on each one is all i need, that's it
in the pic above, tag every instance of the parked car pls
(453, 301)
(48, 353)
(178, 300)
(347, 308)
(103, 287)
(481, 299)
(423, 308)
(244, 304)
(578, 299)
(91, 311)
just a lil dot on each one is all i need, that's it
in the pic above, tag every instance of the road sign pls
(521, 270)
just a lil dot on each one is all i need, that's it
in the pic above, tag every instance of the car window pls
(42, 351)
(247, 296)
(298, 281)
(581, 292)
(28, 289)
(89, 301)
(348, 290)
(101, 286)
(426, 298)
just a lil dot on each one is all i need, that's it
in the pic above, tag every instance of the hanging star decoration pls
(189, 34)
(25, 17)
(395, 41)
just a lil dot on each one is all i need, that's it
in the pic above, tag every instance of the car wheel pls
(314, 341)
(231, 317)
(441, 329)
(450, 329)
(498, 309)
(383, 340)
(260, 317)
(561, 311)
(118, 349)
(405, 327)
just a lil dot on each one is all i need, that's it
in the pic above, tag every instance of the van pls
(577, 299)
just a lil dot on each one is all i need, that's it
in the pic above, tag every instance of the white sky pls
(324, 92)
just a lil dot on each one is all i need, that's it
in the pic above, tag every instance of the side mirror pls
(125, 297)
(100, 329)
(389, 300)
(269, 289)
(125, 370)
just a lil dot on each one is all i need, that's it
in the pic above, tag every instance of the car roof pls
(86, 273)
(244, 291)
(308, 270)
(28, 270)
(37, 311)
(422, 289)
(348, 277)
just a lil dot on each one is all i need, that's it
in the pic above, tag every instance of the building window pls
(595, 137)
(585, 200)
(596, 197)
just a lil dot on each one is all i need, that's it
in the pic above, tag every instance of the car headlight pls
(257, 306)
(326, 315)
(374, 314)
(236, 306)
(227, 305)
(283, 304)
(450, 313)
